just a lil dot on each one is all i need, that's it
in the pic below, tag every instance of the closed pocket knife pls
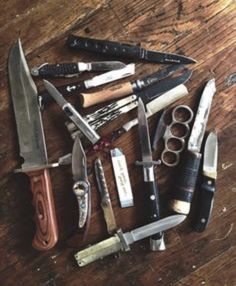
(81, 187)
(208, 182)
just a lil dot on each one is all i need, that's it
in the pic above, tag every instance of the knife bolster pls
(186, 182)
(45, 216)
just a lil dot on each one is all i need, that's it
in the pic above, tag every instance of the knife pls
(124, 50)
(186, 181)
(70, 111)
(81, 187)
(73, 69)
(147, 94)
(122, 241)
(128, 87)
(32, 147)
(208, 182)
(105, 198)
(76, 87)
(150, 184)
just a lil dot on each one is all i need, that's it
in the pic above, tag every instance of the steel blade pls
(144, 133)
(106, 65)
(79, 165)
(159, 88)
(199, 126)
(152, 228)
(27, 113)
(210, 156)
(160, 130)
(168, 58)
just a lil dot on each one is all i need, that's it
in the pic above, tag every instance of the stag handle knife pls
(46, 227)
(89, 99)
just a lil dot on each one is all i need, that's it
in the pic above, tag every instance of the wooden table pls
(203, 30)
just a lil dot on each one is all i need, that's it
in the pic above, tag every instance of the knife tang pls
(45, 217)
(89, 99)
(186, 182)
(206, 203)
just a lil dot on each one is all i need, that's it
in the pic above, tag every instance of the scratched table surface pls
(203, 30)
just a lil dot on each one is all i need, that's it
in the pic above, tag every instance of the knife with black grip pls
(73, 69)
(207, 187)
(189, 169)
(124, 50)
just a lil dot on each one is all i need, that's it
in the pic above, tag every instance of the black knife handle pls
(186, 182)
(206, 203)
(104, 47)
(65, 90)
(56, 70)
(153, 205)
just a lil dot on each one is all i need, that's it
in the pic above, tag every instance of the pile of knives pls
(150, 95)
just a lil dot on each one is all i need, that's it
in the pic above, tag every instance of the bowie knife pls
(147, 92)
(124, 50)
(73, 69)
(81, 187)
(105, 198)
(70, 111)
(76, 87)
(186, 181)
(208, 182)
(32, 147)
(122, 241)
(157, 240)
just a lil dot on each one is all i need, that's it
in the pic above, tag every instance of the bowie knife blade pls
(207, 187)
(157, 240)
(147, 92)
(76, 87)
(125, 50)
(71, 112)
(186, 181)
(105, 198)
(81, 187)
(73, 69)
(32, 147)
(128, 87)
(122, 241)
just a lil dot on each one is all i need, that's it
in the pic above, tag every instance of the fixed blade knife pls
(148, 93)
(186, 181)
(73, 69)
(76, 87)
(207, 187)
(124, 50)
(32, 147)
(122, 241)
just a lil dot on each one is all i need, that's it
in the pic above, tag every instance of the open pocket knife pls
(81, 187)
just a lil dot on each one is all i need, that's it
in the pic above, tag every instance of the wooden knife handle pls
(45, 217)
(89, 99)
(186, 182)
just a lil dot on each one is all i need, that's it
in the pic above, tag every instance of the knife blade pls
(32, 147)
(70, 111)
(73, 69)
(81, 187)
(122, 241)
(186, 181)
(157, 240)
(130, 87)
(147, 94)
(208, 182)
(76, 87)
(105, 197)
(124, 50)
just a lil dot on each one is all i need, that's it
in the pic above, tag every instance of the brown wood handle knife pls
(89, 99)
(45, 217)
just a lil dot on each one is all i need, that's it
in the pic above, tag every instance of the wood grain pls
(203, 30)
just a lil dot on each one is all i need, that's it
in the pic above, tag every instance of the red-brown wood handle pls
(89, 99)
(46, 235)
